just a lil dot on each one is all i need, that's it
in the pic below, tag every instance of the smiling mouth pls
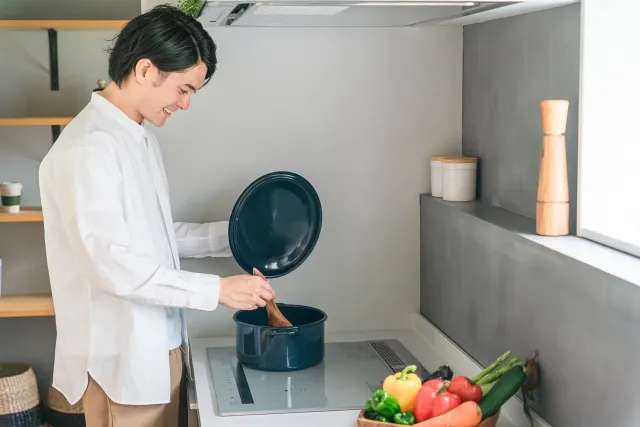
(167, 111)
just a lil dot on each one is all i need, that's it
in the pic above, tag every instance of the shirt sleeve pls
(202, 240)
(89, 195)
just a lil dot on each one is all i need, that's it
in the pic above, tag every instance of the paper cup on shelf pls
(10, 193)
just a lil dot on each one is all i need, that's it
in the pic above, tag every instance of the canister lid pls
(460, 159)
(440, 157)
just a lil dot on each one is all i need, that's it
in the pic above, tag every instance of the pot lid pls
(275, 224)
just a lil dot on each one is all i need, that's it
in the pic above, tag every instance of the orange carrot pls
(467, 414)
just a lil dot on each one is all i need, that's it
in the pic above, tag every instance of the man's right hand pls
(245, 292)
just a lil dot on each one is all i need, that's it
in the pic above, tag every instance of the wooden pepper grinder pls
(552, 212)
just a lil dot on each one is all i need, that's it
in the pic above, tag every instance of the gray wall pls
(356, 111)
(510, 65)
(490, 289)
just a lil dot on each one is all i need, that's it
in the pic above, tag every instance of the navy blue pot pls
(264, 348)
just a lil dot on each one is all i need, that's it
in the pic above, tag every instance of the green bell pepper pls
(369, 412)
(405, 418)
(381, 418)
(385, 404)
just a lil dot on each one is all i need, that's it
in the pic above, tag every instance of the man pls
(112, 247)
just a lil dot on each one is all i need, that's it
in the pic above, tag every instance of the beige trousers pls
(100, 411)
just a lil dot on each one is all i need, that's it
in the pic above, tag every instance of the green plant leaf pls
(191, 7)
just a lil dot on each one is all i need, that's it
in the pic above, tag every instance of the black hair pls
(172, 40)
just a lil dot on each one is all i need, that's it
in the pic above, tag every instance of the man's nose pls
(184, 103)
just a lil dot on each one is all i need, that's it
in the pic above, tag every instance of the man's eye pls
(183, 92)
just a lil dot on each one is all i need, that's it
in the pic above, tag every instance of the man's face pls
(163, 94)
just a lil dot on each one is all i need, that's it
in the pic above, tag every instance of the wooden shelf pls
(62, 24)
(26, 214)
(26, 305)
(34, 121)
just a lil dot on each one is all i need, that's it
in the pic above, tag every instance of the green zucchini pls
(503, 390)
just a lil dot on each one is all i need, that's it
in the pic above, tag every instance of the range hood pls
(361, 13)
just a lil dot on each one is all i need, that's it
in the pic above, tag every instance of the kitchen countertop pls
(427, 343)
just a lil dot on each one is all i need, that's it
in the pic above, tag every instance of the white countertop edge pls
(425, 341)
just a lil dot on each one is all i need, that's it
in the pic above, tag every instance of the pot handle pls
(284, 331)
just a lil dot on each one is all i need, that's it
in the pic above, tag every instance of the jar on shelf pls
(101, 85)
(459, 179)
(436, 175)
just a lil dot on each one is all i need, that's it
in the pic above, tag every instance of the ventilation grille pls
(388, 355)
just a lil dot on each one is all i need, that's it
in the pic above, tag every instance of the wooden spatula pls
(276, 318)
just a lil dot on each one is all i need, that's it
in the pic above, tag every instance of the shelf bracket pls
(55, 133)
(53, 71)
(53, 59)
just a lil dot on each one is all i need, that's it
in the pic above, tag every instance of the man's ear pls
(143, 70)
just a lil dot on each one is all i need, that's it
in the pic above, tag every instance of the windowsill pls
(611, 261)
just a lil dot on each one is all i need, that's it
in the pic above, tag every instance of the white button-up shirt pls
(113, 257)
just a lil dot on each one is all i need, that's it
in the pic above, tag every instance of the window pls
(609, 132)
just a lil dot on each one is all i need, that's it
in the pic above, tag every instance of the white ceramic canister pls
(459, 179)
(436, 175)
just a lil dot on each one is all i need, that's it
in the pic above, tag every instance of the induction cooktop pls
(348, 375)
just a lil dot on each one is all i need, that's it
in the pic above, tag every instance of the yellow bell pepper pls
(404, 387)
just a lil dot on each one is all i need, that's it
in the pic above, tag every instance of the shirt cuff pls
(207, 291)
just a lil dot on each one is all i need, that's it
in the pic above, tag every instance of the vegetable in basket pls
(405, 418)
(434, 399)
(471, 388)
(503, 390)
(369, 410)
(466, 414)
(444, 372)
(384, 404)
(403, 386)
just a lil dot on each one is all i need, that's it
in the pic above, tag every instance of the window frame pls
(582, 231)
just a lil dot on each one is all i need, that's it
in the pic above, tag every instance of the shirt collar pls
(105, 106)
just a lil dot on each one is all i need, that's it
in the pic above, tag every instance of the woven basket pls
(20, 404)
(363, 422)
(60, 413)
